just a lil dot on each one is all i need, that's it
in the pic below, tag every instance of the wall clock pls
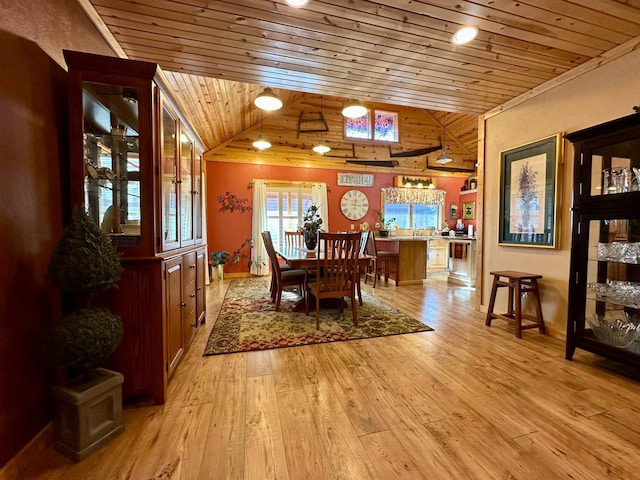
(354, 204)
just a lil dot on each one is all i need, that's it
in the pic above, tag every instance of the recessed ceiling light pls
(296, 3)
(464, 35)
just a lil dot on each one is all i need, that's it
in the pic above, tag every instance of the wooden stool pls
(518, 283)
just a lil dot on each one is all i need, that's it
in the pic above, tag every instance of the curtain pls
(319, 197)
(415, 196)
(259, 256)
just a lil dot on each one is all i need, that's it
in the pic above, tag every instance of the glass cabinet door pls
(197, 196)
(615, 168)
(112, 188)
(170, 185)
(186, 189)
(612, 305)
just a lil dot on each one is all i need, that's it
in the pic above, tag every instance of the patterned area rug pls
(247, 321)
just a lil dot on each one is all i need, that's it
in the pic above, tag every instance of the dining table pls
(300, 257)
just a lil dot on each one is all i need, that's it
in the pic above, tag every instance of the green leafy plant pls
(385, 224)
(219, 257)
(84, 262)
(311, 221)
(86, 338)
(222, 257)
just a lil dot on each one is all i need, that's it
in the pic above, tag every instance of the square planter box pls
(88, 414)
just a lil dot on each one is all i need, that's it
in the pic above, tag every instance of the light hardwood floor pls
(462, 402)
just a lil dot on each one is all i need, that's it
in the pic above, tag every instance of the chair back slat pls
(271, 251)
(294, 239)
(338, 261)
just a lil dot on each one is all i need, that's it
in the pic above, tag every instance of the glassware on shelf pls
(617, 291)
(616, 181)
(635, 181)
(623, 252)
(618, 327)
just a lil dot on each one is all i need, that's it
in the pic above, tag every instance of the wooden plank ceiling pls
(395, 56)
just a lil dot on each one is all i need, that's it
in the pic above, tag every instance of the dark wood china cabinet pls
(136, 166)
(604, 288)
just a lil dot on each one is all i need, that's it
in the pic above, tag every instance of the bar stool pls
(518, 283)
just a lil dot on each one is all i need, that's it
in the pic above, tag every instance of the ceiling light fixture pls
(464, 35)
(321, 147)
(444, 157)
(268, 100)
(261, 143)
(354, 109)
(296, 3)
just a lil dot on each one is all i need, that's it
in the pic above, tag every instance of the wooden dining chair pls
(387, 264)
(294, 239)
(335, 272)
(363, 245)
(280, 279)
(371, 268)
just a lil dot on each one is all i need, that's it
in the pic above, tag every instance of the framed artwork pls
(453, 211)
(468, 210)
(529, 194)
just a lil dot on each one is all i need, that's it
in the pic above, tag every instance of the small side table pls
(518, 283)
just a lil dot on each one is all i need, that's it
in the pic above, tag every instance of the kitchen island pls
(417, 251)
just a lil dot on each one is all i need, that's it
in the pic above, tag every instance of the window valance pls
(416, 196)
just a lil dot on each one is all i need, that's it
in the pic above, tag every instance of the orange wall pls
(227, 230)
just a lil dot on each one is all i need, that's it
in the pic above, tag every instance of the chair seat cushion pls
(288, 275)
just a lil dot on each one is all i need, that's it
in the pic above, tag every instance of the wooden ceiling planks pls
(219, 55)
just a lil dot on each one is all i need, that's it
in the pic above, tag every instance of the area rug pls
(247, 321)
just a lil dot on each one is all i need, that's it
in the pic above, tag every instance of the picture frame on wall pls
(468, 210)
(529, 194)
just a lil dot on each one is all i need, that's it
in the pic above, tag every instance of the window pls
(285, 207)
(385, 127)
(414, 208)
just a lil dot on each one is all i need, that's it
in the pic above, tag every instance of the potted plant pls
(217, 260)
(311, 225)
(89, 405)
(385, 225)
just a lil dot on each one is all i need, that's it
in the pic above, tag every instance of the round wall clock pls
(354, 204)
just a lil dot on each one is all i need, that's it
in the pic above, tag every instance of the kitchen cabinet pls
(604, 286)
(437, 256)
(136, 166)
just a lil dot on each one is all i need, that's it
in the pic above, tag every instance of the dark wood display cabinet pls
(604, 288)
(136, 166)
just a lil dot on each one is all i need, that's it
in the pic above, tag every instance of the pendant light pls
(268, 100)
(444, 157)
(321, 147)
(354, 109)
(261, 143)
(464, 35)
(296, 3)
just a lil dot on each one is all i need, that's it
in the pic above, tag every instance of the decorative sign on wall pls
(415, 182)
(355, 179)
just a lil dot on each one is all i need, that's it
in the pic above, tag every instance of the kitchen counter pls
(416, 256)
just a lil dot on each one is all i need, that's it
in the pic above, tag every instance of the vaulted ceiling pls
(397, 55)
